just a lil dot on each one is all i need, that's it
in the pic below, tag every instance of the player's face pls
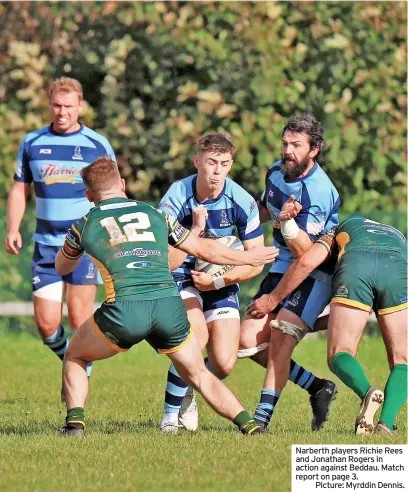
(65, 109)
(296, 155)
(213, 169)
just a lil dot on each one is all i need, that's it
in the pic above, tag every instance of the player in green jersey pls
(128, 240)
(370, 274)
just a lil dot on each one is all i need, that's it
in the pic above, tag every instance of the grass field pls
(123, 450)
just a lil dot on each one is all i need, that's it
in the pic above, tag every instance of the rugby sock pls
(395, 394)
(75, 416)
(58, 342)
(350, 372)
(246, 423)
(176, 390)
(266, 406)
(305, 379)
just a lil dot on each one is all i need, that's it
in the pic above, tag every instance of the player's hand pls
(200, 215)
(261, 307)
(13, 239)
(202, 281)
(261, 255)
(290, 209)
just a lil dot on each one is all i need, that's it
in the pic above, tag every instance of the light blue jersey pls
(53, 162)
(233, 212)
(318, 217)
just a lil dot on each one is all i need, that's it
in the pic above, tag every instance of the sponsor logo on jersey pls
(36, 280)
(138, 264)
(91, 271)
(45, 151)
(342, 291)
(57, 173)
(140, 252)
(224, 219)
(231, 298)
(111, 337)
(169, 206)
(271, 193)
(403, 299)
(252, 206)
(295, 299)
(77, 154)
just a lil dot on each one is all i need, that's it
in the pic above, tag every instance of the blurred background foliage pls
(157, 75)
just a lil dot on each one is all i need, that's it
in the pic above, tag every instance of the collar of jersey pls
(65, 134)
(211, 200)
(114, 200)
(312, 171)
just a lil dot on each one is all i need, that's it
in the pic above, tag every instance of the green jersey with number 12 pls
(128, 241)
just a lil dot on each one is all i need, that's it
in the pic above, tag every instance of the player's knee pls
(47, 326)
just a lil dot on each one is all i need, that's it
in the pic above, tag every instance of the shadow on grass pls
(94, 426)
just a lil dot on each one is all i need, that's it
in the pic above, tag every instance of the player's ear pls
(196, 162)
(122, 185)
(313, 153)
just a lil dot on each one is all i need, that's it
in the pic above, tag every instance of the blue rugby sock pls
(305, 379)
(176, 390)
(58, 342)
(266, 407)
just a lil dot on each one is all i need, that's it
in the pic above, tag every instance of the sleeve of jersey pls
(22, 172)
(72, 248)
(109, 151)
(177, 233)
(248, 223)
(319, 218)
(172, 202)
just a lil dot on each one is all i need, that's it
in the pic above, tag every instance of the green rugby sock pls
(75, 416)
(246, 423)
(395, 394)
(350, 372)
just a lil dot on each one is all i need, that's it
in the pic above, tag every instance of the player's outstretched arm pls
(16, 206)
(215, 252)
(297, 272)
(204, 281)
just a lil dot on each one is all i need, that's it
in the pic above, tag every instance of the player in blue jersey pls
(296, 176)
(52, 158)
(212, 204)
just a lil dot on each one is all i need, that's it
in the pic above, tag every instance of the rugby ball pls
(218, 270)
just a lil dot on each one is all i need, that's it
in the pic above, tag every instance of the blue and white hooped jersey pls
(53, 162)
(233, 212)
(319, 216)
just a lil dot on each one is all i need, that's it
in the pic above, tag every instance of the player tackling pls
(128, 240)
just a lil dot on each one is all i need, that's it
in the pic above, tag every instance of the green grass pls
(123, 450)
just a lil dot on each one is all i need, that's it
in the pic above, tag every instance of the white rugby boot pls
(188, 416)
(169, 423)
(369, 405)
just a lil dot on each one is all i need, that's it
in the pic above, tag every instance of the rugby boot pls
(188, 415)
(320, 403)
(369, 406)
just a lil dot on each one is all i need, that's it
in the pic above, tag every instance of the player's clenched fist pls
(200, 215)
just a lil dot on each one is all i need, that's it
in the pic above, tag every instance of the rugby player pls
(128, 240)
(296, 176)
(370, 274)
(52, 157)
(211, 204)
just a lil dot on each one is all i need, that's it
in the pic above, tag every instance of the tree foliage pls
(157, 75)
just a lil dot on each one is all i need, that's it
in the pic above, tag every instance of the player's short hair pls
(306, 123)
(66, 84)
(220, 143)
(100, 175)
